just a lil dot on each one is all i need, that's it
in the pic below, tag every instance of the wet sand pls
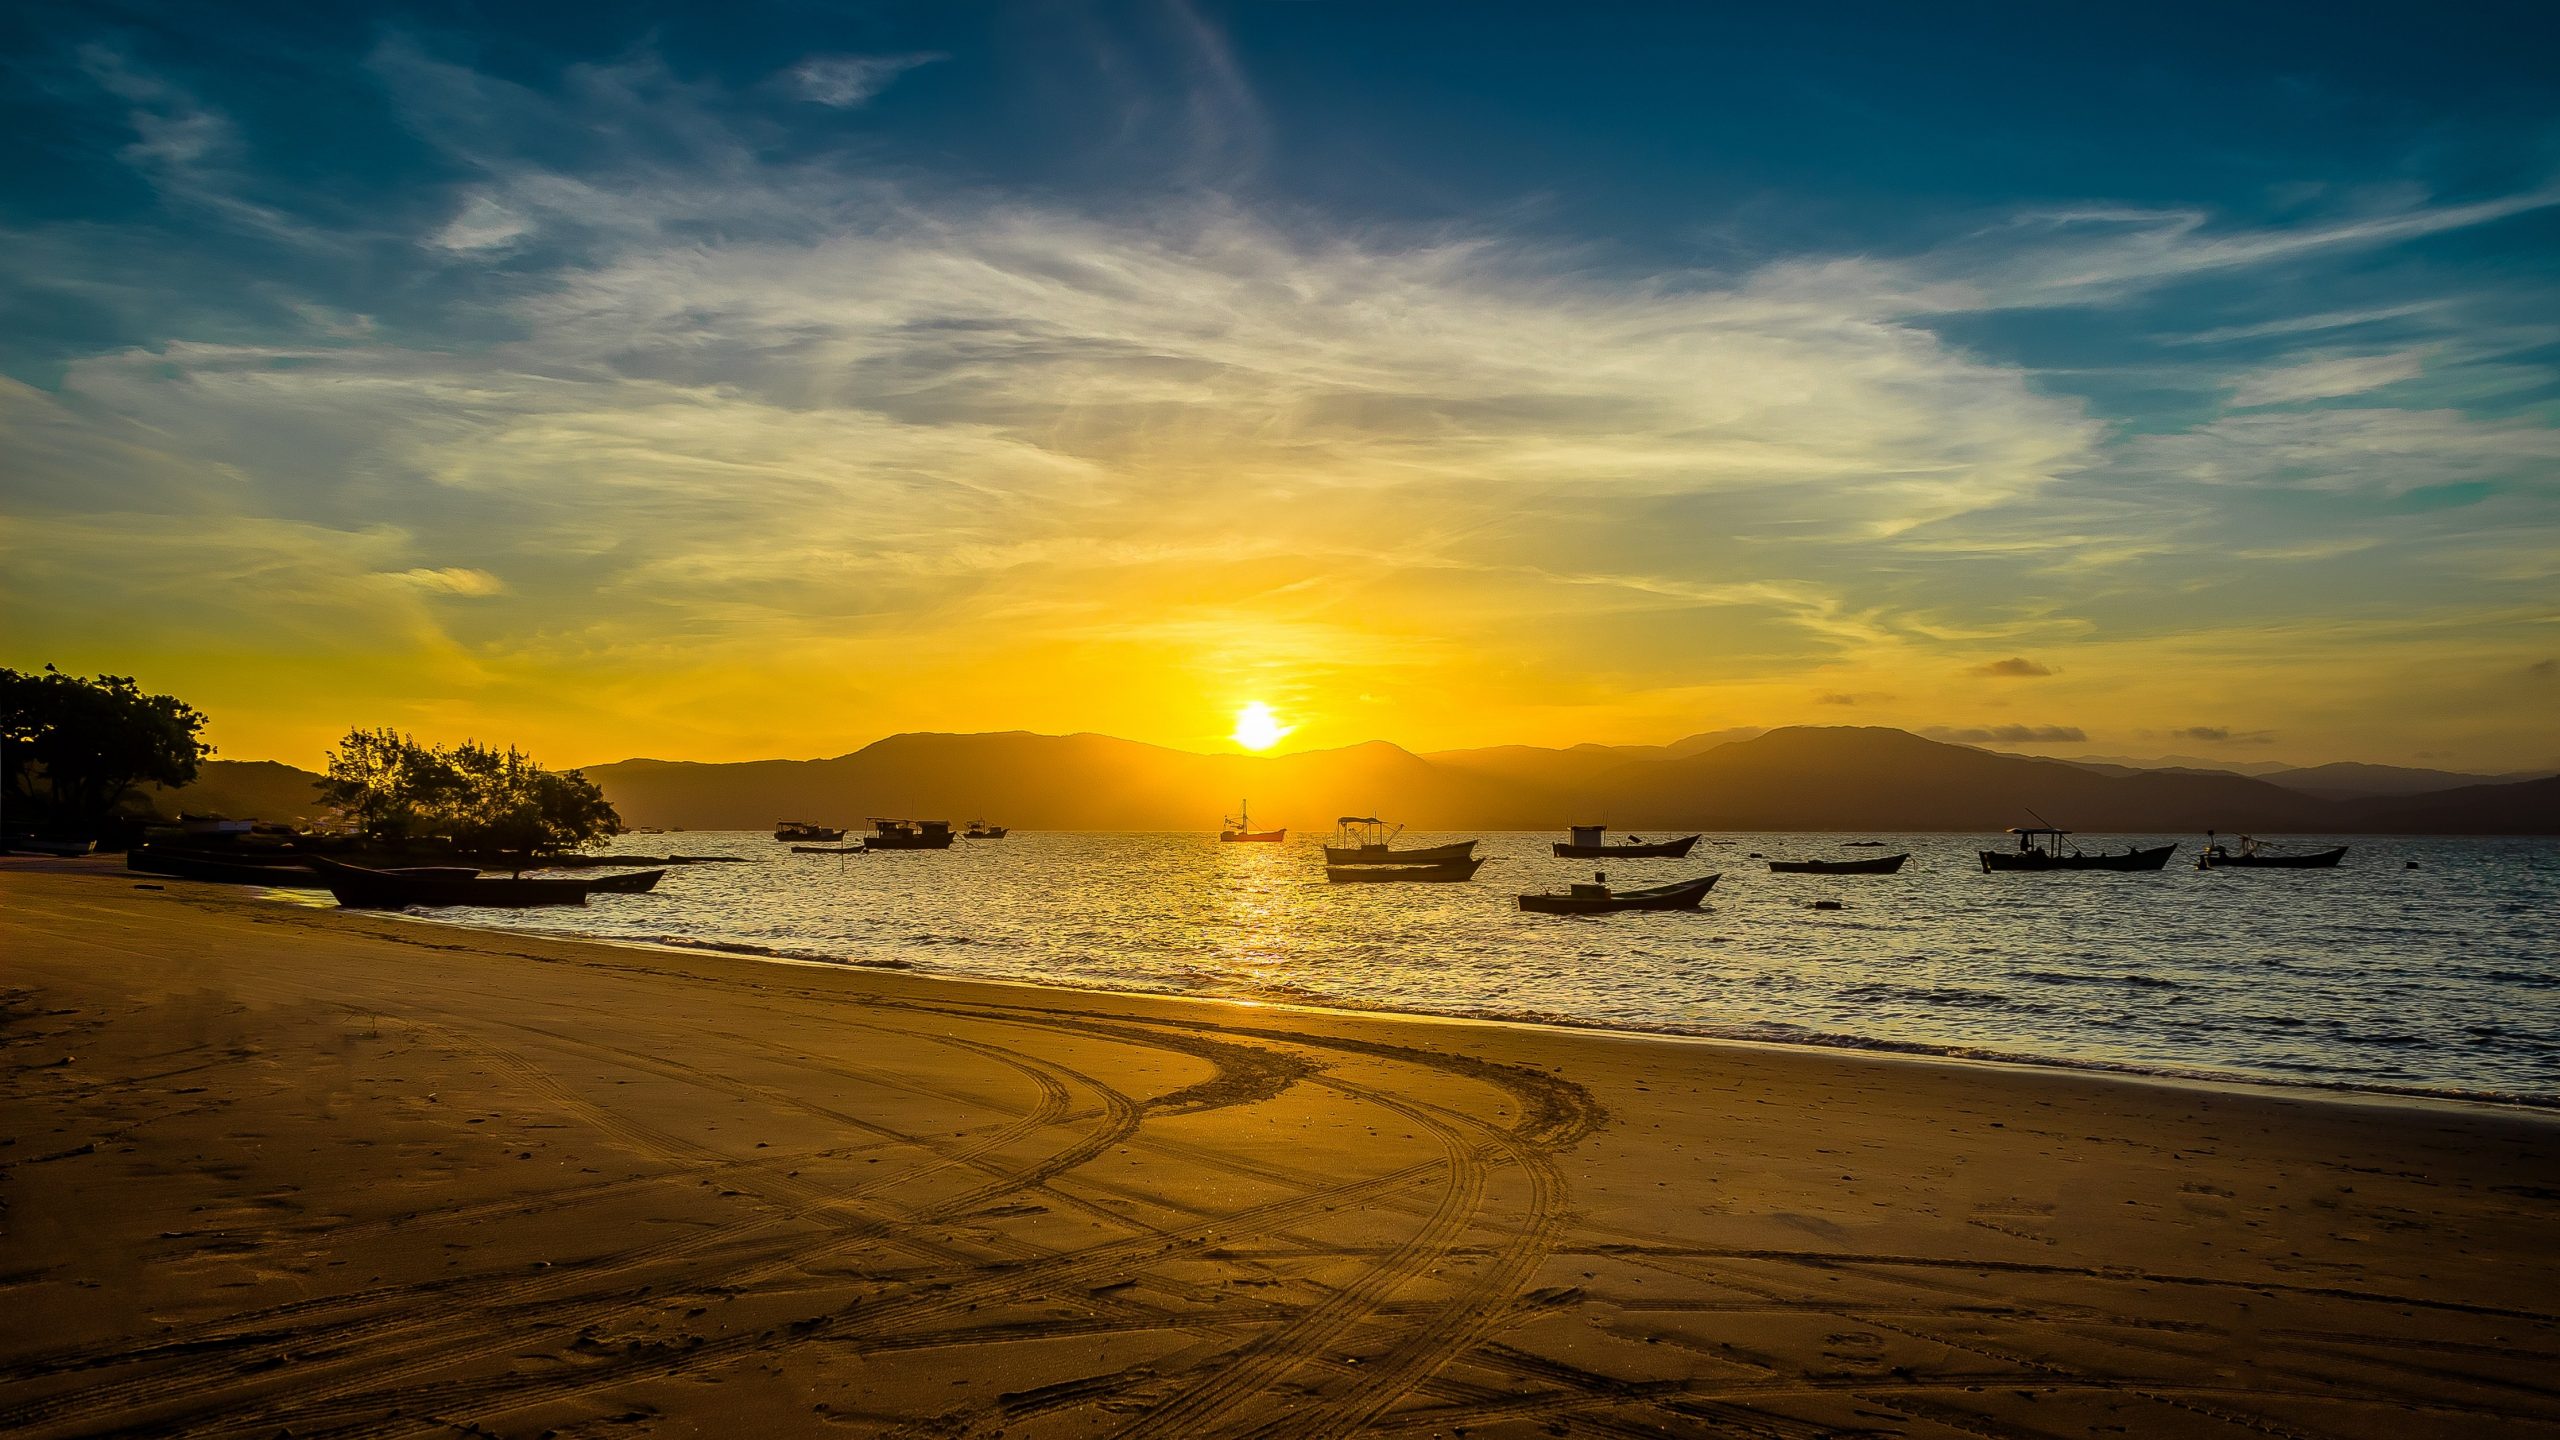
(274, 1169)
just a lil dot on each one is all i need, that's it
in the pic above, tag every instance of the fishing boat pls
(629, 882)
(1590, 842)
(802, 830)
(908, 835)
(360, 889)
(1597, 898)
(1876, 865)
(2042, 847)
(1440, 872)
(2253, 854)
(981, 830)
(1240, 831)
(1366, 840)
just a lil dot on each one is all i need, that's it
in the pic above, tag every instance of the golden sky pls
(692, 437)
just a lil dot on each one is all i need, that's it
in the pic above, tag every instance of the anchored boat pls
(802, 830)
(1240, 831)
(2043, 847)
(1878, 865)
(2253, 854)
(908, 835)
(1366, 840)
(1597, 898)
(1441, 872)
(1590, 842)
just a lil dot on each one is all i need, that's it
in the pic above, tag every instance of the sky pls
(722, 382)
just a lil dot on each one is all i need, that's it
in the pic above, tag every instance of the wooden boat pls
(2252, 855)
(1597, 898)
(360, 889)
(629, 882)
(1879, 865)
(1366, 840)
(908, 835)
(1241, 831)
(36, 845)
(981, 830)
(1441, 872)
(282, 871)
(802, 830)
(2040, 847)
(1588, 844)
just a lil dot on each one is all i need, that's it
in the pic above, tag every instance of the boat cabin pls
(2039, 839)
(1589, 834)
(1363, 832)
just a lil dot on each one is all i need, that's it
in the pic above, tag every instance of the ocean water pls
(2440, 979)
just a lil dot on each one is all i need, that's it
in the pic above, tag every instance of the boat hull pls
(1388, 855)
(1252, 837)
(360, 889)
(2156, 858)
(2315, 860)
(1880, 865)
(1445, 872)
(1666, 849)
(1684, 896)
(633, 882)
(941, 841)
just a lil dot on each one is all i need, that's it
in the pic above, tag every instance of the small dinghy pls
(629, 882)
(1879, 865)
(1598, 899)
(2255, 854)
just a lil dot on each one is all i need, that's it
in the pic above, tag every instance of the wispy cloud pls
(845, 82)
(2010, 734)
(2016, 667)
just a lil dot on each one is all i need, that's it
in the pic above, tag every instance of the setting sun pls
(1258, 729)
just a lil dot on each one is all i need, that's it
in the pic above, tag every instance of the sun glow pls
(1258, 729)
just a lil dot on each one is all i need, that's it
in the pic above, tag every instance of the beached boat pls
(1366, 840)
(1590, 842)
(629, 882)
(981, 830)
(908, 835)
(1597, 898)
(1879, 865)
(2254, 854)
(281, 870)
(1441, 872)
(802, 830)
(1240, 831)
(360, 889)
(2041, 847)
(37, 845)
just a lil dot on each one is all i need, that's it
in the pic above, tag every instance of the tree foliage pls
(399, 791)
(70, 748)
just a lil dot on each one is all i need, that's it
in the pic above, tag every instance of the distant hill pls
(1800, 778)
(243, 790)
(2347, 780)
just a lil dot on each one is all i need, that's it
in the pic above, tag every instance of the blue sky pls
(630, 379)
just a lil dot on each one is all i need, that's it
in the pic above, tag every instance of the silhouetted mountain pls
(1801, 778)
(2347, 780)
(243, 790)
(2524, 807)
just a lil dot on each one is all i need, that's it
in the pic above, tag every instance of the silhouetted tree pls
(397, 790)
(70, 748)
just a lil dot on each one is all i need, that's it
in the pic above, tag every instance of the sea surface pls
(2422, 965)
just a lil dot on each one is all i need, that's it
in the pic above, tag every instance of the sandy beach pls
(275, 1169)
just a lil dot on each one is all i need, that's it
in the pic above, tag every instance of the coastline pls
(1917, 1051)
(267, 1152)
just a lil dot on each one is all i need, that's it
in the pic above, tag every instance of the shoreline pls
(351, 1174)
(1915, 1051)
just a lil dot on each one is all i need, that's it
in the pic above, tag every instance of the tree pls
(70, 748)
(483, 799)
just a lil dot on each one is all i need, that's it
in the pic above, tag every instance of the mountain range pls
(1799, 778)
